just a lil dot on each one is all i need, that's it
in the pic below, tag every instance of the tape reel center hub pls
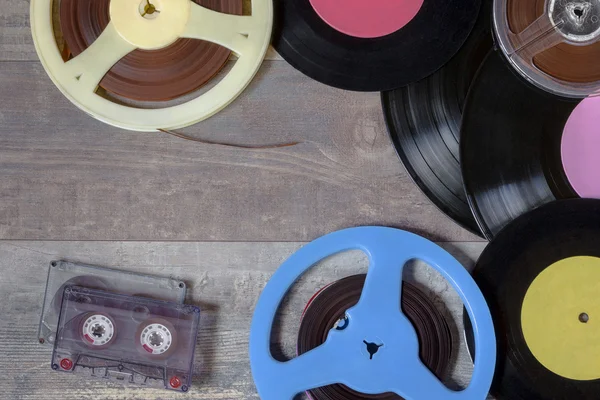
(156, 339)
(577, 21)
(98, 331)
(148, 9)
(372, 348)
(150, 24)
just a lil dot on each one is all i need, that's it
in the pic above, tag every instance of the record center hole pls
(584, 318)
(98, 330)
(156, 339)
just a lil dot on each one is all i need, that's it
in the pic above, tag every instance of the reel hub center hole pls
(577, 21)
(156, 339)
(584, 318)
(98, 331)
(150, 24)
(372, 348)
(148, 9)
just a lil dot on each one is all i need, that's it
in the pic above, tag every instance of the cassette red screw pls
(66, 364)
(175, 382)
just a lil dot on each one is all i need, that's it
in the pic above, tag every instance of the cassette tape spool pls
(133, 340)
(344, 357)
(555, 44)
(63, 273)
(133, 26)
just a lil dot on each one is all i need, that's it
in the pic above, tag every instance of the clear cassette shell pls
(128, 339)
(64, 273)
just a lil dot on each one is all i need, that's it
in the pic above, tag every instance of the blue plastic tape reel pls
(377, 319)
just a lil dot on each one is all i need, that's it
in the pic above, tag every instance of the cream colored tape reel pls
(78, 79)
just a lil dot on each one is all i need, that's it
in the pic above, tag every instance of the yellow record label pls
(560, 318)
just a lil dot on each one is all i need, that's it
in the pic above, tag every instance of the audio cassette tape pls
(128, 339)
(63, 273)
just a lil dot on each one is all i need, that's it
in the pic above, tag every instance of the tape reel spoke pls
(541, 35)
(416, 379)
(553, 44)
(88, 68)
(234, 32)
(383, 285)
(316, 368)
(378, 350)
(78, 79)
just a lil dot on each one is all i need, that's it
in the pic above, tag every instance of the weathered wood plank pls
(225, 279)
(16, 43)
(67, 176)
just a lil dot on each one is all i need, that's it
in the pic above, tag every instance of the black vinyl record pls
(511, 146)
(424, 118)
(408, 55)
(509, 266)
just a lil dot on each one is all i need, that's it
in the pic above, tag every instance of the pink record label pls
(580, 148)
(367, 18)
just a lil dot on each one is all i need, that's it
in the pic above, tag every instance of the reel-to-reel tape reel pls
(88, 69)
(378, 349)
(554, 44)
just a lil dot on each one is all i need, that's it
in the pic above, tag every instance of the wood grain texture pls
(16, 43)
(224, 279)
(67, 176)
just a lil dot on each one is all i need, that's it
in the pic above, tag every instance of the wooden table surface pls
(221, 218)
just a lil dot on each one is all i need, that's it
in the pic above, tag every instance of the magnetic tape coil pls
(554, 44)
(378, 351)
(133, 27)
(326, 311)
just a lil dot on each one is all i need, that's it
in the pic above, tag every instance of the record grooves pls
(408, 55)
(328, 308)
(511, 146)
(530, 246)
(423, 120)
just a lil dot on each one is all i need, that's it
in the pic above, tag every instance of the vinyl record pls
(371, 45)
(522, 147)
(423, 120)
(541, 279)
(327, 309)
